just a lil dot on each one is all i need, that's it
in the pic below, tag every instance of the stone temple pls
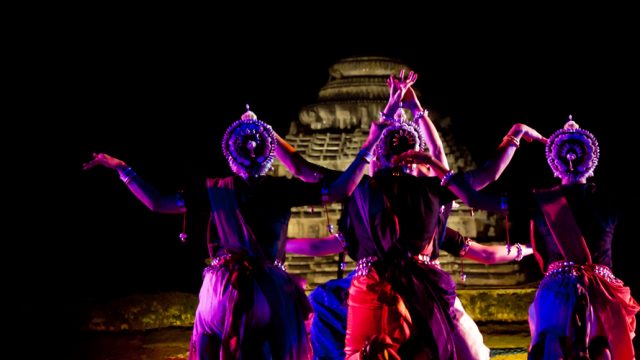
(330, 133)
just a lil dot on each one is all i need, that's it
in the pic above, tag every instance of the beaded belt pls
(217, 261)
(426, 259)
(363, 266)
(569, 268)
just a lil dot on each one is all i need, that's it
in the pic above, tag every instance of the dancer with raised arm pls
(581, 310)
(394, 220)
(249, 307)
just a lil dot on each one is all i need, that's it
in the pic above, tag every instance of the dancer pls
(249, 307)
(581, 310)
(394, 225)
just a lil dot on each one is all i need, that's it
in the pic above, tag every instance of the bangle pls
(518, 252)
(324, 194)
(419, 114)
(386, 117)
(341, 239)
(511, 140)
(504, 204)
(180, 200)
(365, 352)
(465, 247)
(446, 178)
(126, 174)
(365, 155)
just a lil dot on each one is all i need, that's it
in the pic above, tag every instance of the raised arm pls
(329, 245)
(457, 183)
(144, 191)
(494, 167)
(420, 115)
(348, 181)
(298, 165)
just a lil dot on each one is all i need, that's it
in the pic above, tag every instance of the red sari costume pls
(579, 301)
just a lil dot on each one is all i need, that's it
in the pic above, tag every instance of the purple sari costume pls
(249, 307)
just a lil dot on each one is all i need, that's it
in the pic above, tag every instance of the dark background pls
(158, 91)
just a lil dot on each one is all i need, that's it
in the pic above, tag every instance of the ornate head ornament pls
(249, 146)
(398, 138)
(572, 152)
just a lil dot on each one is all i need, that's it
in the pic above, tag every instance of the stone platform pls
(506, 341)
(158, 326)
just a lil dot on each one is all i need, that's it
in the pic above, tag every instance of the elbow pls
(494, 176)
(518, 128)
(470, 201)
(161, 207)
(333, 193)
(336, 195)
(300, 173)
(154, 206)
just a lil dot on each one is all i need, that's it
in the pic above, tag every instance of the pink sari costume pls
(249, 307)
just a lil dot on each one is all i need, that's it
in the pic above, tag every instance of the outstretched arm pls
(348, 181)
(496, 254)
(465, 187)
(494, 167)
(144, 191)
(456, 183)
(329, 245)
(298, 165)
(486, 254)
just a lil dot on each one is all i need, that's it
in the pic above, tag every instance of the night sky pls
(160, 94)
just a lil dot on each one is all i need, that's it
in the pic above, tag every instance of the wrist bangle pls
(324, 194)
(365, 155)
(465, 247)
(180, 200)
(511, 140)
(504, 204)
(341, 239)
(126, 174)
(446, 178)
(419, 114)
(518, 252)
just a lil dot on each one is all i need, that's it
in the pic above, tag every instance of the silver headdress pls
(249, 146)
(399, 137)
(572, 152)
